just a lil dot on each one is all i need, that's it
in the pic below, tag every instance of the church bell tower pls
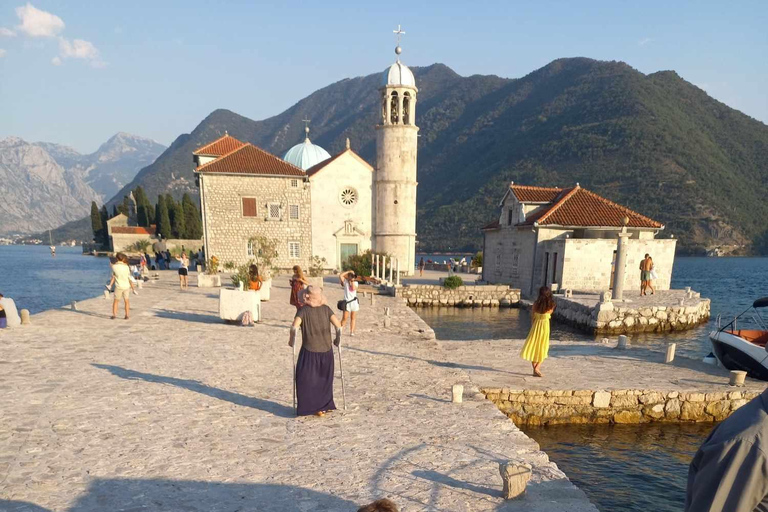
(395, 176)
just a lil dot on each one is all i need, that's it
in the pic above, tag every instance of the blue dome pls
(306, 155)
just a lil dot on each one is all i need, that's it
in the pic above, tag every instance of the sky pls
(77, 72)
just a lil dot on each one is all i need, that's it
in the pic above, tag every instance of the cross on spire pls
(306, 126)
(399, 33)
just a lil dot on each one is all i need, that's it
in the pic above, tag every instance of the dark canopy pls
(760, 303)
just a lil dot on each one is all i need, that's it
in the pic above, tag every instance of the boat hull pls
(735, 353)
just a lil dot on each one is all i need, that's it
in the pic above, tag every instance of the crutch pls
(343, 393)
(293, 360)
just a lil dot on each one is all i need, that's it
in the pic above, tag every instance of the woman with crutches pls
(314, 368)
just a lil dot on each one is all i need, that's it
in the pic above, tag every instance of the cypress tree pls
(142, 207)
(163, 220)
(114, 211)
(191, 218)
(177, 222)
(95, 221)
(103, 233)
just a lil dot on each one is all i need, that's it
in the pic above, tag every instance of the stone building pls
(312, 203)
(568, 238)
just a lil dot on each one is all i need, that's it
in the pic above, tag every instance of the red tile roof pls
(578, 207)
(535, 194)
(220, 146)
(248, 159)
(133, 230)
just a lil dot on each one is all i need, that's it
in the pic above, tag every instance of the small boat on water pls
(743, 349)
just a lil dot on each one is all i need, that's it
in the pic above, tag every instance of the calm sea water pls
(36, 281)
(626, 468)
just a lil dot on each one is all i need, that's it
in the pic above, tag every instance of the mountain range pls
(44, 183)
(654, 142)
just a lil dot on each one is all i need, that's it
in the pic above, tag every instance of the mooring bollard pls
(670, 352)
(737, 378)
(623, 343)
(25, 317)
(682, 302)
(73, 304)
(387, 322)
(457, 392)
(386, 311)
(515, 476)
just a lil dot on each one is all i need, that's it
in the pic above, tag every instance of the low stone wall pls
(612, 318)
(463, 296)
(538, 407)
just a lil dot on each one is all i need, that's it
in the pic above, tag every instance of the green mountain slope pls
(653, 142)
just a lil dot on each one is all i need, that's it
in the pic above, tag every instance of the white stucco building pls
(568, 237)
(313, 203)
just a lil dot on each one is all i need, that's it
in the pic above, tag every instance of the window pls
(249, 248)
(274, 211)
(294, 183)
(249, 207)
(497, 270)
(509, 217)
(348, 197)
(515, 261)
(294, 251)
(554, 268)
(293, 212)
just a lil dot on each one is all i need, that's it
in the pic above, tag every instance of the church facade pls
(314, 204)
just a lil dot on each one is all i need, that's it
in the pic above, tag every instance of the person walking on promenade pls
(729, 472)
(646, 265)
(121, 278)
(3, 316)
(651, 276)
(536, 347)
(183, 271)
(421, 267)
(315, 365)
(383, 505)
(348, 282)
(298, 282)
(254, 278)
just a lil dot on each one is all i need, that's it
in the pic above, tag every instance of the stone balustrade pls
(463, 296)
(552, 407)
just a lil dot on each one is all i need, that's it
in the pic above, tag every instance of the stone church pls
(312, 203)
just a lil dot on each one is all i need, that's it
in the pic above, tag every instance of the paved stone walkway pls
(174, 410)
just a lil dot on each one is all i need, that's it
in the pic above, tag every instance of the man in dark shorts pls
(730, 470)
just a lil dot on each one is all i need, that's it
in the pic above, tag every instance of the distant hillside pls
(37, 193)
(653, 142)
(110, 167)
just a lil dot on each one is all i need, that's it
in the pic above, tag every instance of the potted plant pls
(477, 263)
(211, 278)
(316, 270)
(265, 253)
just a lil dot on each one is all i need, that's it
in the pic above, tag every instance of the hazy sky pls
(76, 72)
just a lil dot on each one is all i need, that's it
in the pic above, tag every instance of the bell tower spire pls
(395, 178)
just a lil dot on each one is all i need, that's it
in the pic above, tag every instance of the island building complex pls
(312, 203)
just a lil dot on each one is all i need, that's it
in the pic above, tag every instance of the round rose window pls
(348, 196)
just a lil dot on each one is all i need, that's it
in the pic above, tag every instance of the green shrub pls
(361, 263)
(317, 266)
(453, 282)
(140, 246)
(241, 274)
(477, 261)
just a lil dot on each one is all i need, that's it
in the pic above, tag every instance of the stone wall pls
(463, 296)
(613, 318)
(227, 230)
(538, 407)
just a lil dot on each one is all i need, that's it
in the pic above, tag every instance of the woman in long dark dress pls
(314, 368)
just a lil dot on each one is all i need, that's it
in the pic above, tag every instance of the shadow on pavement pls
(198, 387)
(192, 496)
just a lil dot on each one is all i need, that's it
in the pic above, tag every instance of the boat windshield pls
(754, 336)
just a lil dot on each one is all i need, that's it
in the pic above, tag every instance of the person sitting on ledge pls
(384, 505)
(730, 470)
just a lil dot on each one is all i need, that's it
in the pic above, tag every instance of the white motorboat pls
(743, 349)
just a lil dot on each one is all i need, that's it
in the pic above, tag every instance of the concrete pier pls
(175, 410)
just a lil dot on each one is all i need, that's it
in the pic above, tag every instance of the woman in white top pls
(351, 304)
(183, 271)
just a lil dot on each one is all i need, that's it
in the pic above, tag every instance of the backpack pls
(247, 319)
